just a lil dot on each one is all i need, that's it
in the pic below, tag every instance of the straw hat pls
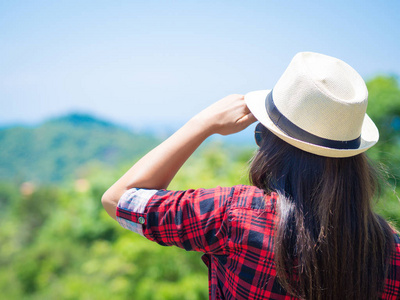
(318, 105)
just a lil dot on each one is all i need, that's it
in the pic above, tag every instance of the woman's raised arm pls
(158, 167)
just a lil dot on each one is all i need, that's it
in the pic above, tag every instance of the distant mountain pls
(57, 149)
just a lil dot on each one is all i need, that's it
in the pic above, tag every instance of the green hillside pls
(57, 149)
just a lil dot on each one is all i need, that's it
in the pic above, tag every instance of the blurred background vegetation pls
(56, 241)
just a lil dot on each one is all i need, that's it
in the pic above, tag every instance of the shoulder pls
(396, 254)
(393, 277)
(396, 251)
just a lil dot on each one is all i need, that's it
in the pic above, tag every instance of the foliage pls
(58, 243)
(384, 109)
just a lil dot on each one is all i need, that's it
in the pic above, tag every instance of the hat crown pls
(323, 96)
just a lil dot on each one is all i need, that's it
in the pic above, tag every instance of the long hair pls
(328, 242)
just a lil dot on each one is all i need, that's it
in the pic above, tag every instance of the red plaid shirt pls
(233, 226)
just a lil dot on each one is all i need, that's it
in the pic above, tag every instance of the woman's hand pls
(226, 116)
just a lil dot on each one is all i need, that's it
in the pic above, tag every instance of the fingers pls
(248, 117)
(251, 118)
(242, 112)
(247, 120)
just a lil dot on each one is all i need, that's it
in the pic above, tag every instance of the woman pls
(305, 229)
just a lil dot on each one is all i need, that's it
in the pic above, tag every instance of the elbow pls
(109, 204)
(104, 200)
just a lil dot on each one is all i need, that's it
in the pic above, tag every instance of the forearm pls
(158, 167)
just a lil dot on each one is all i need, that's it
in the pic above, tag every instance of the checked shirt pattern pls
(233, 227)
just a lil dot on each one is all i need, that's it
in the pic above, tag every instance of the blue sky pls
(136, 62)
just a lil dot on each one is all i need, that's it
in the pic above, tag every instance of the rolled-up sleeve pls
(131, 209)
(192, 220)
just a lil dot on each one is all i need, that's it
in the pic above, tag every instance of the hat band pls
(296, 132)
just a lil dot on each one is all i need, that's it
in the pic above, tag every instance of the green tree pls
(384, 109)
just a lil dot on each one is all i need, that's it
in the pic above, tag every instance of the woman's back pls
(236, 229)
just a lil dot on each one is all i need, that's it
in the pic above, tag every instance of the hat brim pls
(256, 103)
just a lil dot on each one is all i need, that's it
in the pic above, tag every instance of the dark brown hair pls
(328, 242)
